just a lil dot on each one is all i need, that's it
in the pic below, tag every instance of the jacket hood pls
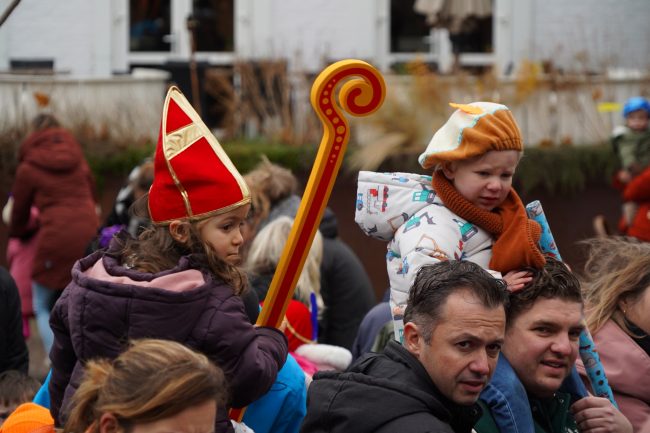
(386, 389)
(385, 201)
(106, 310)
(53, 149)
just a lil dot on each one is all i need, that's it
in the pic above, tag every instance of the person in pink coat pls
(20, 257)
(617, 295)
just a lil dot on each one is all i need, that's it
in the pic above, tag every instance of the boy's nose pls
(494, 185)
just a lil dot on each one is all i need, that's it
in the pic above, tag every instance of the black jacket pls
(345, 287)
(382, 393)
(13, 351)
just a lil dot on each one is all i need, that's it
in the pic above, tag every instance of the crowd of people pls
(151, 320)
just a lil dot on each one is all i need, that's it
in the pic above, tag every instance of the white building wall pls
(119, 34)
(579, 35)
(310, 34)
(75, 33)
(89, 38)
(591, 34)
(512, 35)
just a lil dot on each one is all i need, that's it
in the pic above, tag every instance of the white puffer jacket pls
(404, 210)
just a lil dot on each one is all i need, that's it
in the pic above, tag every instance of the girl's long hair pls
(152, 380)
(155, 250)
(616, 268)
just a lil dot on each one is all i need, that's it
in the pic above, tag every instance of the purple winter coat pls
(95, 318)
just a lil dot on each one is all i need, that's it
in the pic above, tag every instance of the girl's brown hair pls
(617, 268)
(152, 380)
(155, 250)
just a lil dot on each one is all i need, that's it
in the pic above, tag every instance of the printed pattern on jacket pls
(404, 210)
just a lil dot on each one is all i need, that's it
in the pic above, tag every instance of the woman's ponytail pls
(83, 414)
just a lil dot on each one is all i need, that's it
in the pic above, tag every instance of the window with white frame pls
(161, 30)
(149, 26)
(446, 34)
(215, 28)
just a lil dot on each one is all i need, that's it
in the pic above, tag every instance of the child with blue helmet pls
(631, 144)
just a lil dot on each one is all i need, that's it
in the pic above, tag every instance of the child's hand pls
(516, 280)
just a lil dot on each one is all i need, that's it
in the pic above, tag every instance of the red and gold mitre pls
(193, 176)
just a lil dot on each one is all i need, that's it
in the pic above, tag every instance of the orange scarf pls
(517, 237)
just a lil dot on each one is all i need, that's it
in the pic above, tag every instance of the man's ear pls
(108, 424)
(412, 338)
(180, 231)
(448, 169)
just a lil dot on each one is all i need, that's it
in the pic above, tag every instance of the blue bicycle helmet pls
(636, 103)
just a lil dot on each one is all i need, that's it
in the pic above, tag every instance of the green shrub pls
(565, 169)
(557, 169)
(244, 154)
(247, 154)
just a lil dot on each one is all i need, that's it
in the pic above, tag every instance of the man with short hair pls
(544, 322)
(454, 328)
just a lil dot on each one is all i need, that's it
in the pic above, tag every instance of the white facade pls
(75, 34)
(88, 42)
(579, 35)
(312, 33)
(89, 38)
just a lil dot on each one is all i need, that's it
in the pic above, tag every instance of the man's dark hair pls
(553, 281)
(435, 283)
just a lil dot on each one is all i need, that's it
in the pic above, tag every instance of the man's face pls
(464, 346)
(542, 344)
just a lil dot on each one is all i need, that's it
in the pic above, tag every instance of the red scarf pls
(517, 237)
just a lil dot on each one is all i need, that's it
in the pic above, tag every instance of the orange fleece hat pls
(472, 130)
(28, 418)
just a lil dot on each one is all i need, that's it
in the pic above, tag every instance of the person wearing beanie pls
(632, 141)
(631, 144)
(28, 418)
(177, 281)
(466, 210)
